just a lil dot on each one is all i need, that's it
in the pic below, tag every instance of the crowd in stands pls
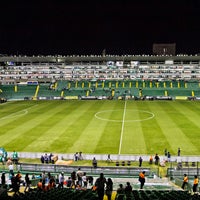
(78, 181)
(78, 186)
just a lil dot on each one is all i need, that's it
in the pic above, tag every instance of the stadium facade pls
(92, 72)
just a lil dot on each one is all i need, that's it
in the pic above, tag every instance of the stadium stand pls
(117, 90)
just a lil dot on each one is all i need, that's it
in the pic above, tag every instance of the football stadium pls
(99, 115)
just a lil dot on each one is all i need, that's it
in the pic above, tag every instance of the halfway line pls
(122, 129)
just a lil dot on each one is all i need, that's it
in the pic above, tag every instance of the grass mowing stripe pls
(83, 120)
(188, 124)
(133, 140)
(109, 140)
(155, 141)
(60, 129)
(174, 135)
(94, 132)
(22, 126)
(190, 112)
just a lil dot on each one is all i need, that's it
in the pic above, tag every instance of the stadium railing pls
(53, 168)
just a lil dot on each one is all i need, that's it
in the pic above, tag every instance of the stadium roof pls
(96, 58)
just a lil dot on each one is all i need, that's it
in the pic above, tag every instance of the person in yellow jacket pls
(195, 184)
(185, 181)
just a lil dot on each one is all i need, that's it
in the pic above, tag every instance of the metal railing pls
(53, 168)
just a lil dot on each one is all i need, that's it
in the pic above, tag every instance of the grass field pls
(101, 127)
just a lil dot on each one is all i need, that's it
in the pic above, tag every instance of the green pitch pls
(101, 127)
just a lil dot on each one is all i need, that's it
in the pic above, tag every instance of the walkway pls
(114, 157)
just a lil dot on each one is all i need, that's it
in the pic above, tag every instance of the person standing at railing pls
(100, 185)
(109, 188)
(61, 180)
(27, 182)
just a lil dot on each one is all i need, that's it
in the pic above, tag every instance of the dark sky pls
(87, 27)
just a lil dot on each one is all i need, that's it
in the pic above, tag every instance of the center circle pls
(130, 115)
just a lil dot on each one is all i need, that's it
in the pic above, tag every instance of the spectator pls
(19, 178)
(150, 160)
(128, 190)
(1, 159)
(79, 175)
(42, 159)
(39, 185)
(61, 180)
(33, 176)
(15, 184)
(5, 154)
(3, 179)
(52, 183)
(11, 168)
(185, 181)
(156, 159)
(94, 162)
(84, 179)
(69, 182)
(73, 177)
(120, 192)
(100, 185)
(142, 179)
(166, 152)
(80, 157)
(179, 151)
(76, 156)
(50, 158)
(140, 161)
(195, 184)
(48, 176)
(15, 157)
(27, 182)
(90, 180)
(43, 176)
(109, 188)
(168, 156)
(109, 158)
(46, 158)
(9, 162)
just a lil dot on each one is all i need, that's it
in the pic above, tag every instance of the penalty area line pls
(122, 129)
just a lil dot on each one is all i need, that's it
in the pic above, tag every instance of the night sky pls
(63, 27)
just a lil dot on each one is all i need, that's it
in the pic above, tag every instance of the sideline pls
(114, 157)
